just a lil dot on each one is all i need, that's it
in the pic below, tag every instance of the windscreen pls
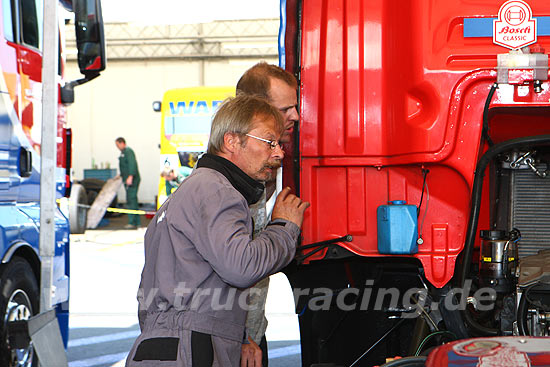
(179, 125)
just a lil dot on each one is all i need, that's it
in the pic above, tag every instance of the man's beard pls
(274, 166)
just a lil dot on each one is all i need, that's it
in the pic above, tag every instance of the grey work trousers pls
(169, 343)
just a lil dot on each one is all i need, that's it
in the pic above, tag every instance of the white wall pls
(119, 103)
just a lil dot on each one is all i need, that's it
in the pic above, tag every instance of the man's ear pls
(230, 142)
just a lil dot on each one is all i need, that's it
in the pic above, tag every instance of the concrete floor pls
(106, 264)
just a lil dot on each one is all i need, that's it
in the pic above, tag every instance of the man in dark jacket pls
(200, 253)
(130, 177)
(278, 87)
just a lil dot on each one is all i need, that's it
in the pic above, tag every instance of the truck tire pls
(93, 186)
(18, 301)
(78, 214)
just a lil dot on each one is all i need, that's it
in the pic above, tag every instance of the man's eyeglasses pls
(272, 143)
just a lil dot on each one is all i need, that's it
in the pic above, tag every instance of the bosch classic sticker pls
(515, 26)
(477, 347)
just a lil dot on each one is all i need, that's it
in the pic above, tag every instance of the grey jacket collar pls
(248, 187)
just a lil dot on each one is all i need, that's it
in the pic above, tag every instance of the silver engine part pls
(533, 288)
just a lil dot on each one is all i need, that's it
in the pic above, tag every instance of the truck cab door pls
(22, 61)
(29, 62)
(9, 100)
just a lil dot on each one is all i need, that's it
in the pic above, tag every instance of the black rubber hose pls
(485, 129)
(475, 326)
(522, 314)
(452, 315)
(489, 155)
(478, 328)
(420, 332)
(407, 362)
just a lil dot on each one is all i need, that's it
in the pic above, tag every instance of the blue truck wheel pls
(19, 300)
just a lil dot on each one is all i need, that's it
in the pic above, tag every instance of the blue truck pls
(21, 76)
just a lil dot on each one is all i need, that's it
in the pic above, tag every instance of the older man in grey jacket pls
(199, 248)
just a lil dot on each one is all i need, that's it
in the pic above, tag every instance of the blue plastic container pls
(397, 228)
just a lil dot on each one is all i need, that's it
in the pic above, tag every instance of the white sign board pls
(515, 27)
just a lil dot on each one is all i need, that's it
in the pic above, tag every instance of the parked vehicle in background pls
(186, 116)
(21, 39)
(418, 129)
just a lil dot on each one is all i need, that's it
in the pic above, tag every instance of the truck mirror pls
(156, 106)
(67, 94)
(90, 38)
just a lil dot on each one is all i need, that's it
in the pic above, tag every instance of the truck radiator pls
(530, 210)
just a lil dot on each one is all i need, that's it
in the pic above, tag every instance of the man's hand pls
(290, 207)
(129, 180)
(251, 354)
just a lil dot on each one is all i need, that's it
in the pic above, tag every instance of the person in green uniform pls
(130, 177)
(174, 177)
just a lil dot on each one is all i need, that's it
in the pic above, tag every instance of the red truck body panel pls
(388, 88)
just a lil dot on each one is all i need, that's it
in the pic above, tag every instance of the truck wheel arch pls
(25, 251)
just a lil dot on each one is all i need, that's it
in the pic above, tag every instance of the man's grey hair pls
(237, 116)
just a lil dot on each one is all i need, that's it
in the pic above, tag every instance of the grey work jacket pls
(200, 257)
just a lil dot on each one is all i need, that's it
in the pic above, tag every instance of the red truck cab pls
(413, 101)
